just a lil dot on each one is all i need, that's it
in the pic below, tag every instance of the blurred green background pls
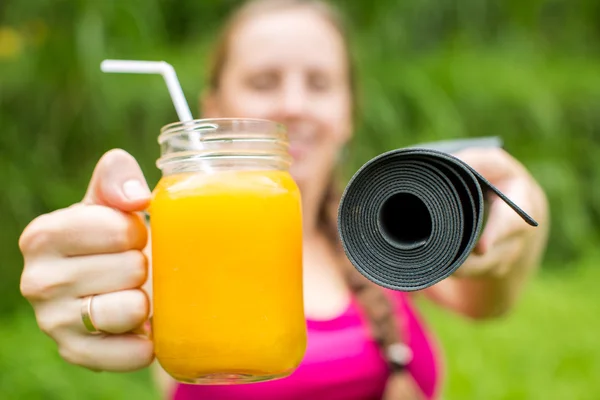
(526, 70)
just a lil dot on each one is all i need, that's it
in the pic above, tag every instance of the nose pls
(294, 101)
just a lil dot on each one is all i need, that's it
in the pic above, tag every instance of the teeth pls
(302, 129)
(301, 136)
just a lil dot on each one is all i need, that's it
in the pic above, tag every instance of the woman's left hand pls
(507, 241)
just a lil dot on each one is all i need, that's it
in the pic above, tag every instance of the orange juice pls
(227, 275)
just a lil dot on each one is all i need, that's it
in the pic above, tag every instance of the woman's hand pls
(506, 240)
(93, 248)
(509, 250)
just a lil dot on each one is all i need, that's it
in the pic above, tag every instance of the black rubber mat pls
(410, 217)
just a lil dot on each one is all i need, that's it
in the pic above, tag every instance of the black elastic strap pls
(410, 217)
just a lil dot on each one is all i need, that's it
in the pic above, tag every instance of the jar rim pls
(215, 140)
(273, 128)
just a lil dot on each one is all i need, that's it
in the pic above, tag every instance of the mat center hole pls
(405, 221)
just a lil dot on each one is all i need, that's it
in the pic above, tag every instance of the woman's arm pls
(508, 252)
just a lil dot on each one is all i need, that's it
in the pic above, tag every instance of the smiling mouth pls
(297, 151)
(301, 136)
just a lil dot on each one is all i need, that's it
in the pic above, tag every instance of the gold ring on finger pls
(86, 316)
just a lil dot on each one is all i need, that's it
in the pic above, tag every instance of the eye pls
(319, 81)
(263, 81)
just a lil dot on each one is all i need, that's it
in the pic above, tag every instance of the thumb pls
(118, 182)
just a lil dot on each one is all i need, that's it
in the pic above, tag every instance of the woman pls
(287, 61)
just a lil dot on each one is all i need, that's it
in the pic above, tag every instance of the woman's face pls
(290, 66)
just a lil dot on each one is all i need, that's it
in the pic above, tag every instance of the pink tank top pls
(341, 362)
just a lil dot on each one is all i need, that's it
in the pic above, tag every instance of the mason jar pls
(226, 227)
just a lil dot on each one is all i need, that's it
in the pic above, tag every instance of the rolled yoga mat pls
(409, 218)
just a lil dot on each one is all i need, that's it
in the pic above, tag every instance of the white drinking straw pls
(154, 67)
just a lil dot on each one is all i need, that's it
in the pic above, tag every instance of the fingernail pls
(135, 190)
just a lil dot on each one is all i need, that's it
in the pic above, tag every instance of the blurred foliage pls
(524, 70)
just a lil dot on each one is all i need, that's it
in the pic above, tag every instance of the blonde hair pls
(378, 308)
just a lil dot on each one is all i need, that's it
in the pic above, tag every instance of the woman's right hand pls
(93, 248)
